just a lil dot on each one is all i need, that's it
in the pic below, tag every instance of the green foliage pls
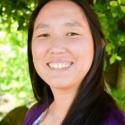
(112, 18)
(19, 11)
(119, 96)
(14, 78)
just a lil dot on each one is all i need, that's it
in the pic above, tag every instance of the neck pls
(62, 102)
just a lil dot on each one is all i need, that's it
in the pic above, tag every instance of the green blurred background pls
(15, 87)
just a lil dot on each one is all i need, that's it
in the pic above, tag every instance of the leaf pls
(109, 48)
(113, 3)
(115, 57)
(121, 1)
(122, 8)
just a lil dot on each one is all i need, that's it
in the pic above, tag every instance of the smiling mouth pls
(59, 66)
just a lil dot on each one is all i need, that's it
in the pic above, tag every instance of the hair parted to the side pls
(91, 100)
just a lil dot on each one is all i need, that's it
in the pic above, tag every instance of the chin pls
(60, 85)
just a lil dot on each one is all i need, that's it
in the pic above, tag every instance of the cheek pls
(38, 49)
(82, 48)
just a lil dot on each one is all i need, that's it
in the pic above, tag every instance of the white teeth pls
(59, 65)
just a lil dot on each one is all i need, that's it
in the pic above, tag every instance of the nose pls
(57, 46)
(57, 50)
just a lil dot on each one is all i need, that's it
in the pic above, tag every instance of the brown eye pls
(43, 35)
(71, 34)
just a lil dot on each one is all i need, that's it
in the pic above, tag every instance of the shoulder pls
(34, 112)
(115, 117)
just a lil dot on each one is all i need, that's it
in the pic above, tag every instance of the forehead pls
(56, 5)
(57, 9)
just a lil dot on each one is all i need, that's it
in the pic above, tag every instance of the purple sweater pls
(115, 117)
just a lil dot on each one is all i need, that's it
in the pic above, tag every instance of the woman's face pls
(62, 44)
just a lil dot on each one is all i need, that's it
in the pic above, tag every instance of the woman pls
(66, 52)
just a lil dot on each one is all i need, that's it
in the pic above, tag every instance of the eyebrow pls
(41, 25)
(73, 24)
(67, 24)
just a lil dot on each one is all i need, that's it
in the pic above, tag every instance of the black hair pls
(91, 101)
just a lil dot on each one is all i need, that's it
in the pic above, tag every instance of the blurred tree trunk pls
(121, 75)
(111, 74)
(37, 1)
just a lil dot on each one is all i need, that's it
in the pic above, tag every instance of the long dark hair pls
(91, 100)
